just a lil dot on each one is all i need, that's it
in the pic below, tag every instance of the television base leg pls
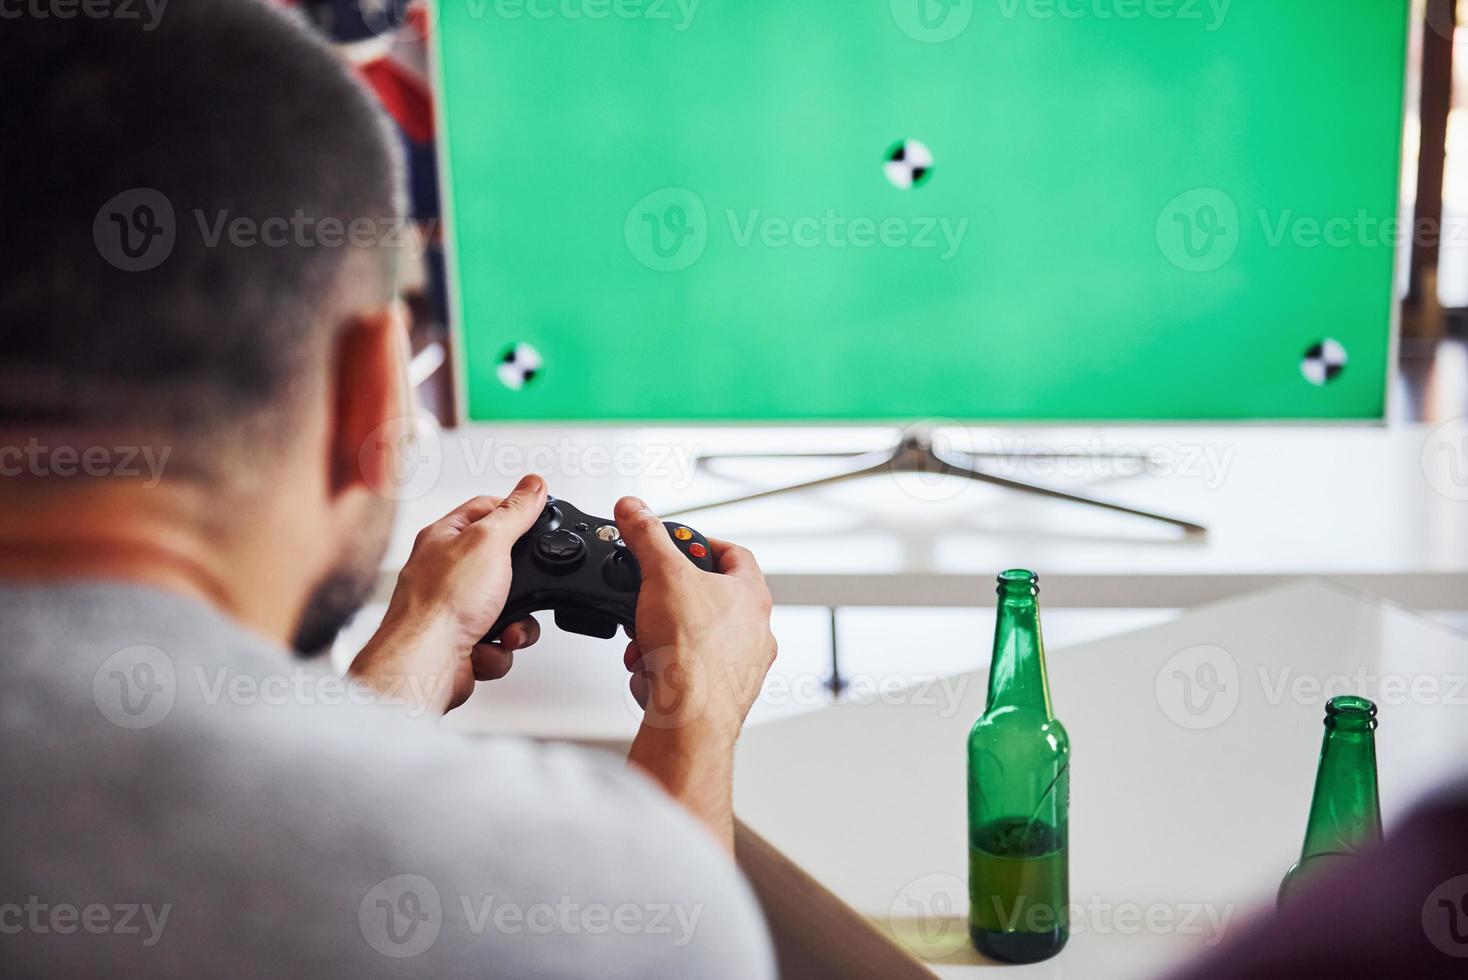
(916, 452)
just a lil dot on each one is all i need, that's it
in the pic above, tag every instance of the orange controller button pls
(683, 534)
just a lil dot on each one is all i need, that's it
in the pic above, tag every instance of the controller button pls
(582, 526)
(608, 532)
(621, 572)
(683, 534)
(697, 550)
(560, 548)
(549, 519)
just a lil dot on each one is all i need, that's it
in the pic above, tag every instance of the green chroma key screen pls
(763, 210)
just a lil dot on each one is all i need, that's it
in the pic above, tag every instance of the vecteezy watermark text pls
(302, 230)
(929, 913)
(138, 230)
(146, 13)
(137, 687)
(1202, 229)
(1386, 689)
(402, 916)
(1200, 687)
(418, 452)
(37, 459)
(1096, 459)
(1104, 918)
(836, 231)
(670, 229)
(414, 21)
(568, 458)
(679, 13)
(1210, 13)
(40, 918)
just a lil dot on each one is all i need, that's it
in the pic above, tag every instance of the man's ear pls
(372, 403)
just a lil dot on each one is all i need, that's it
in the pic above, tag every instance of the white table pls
(1381, 509)
(1179, 818)
(1353, 504)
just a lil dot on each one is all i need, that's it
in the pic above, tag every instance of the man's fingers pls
(513, 517)
(518, 636)
(639, 683)
(490, 661)
(731, 559)
(648, 539)
(470, 511)
(460, 517)
(641, 688)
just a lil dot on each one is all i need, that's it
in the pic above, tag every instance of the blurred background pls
(887, 581)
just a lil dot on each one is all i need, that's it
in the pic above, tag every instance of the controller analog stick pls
(621, 571)
(549, 519)
(560, 550)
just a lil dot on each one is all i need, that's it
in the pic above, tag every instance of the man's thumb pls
(519, 510)
(646, 536)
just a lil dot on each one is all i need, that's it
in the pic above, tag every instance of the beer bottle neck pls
(1017, 672)
(1345, 813)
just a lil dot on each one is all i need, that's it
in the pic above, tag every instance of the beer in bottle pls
(1018, 793)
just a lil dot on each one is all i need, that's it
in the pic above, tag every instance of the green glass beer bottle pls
(1345, 814)
(1018, 793)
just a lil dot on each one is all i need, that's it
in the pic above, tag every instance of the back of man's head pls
(190, 208)
(198, 206)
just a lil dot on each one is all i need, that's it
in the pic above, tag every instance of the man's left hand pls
(452, 589)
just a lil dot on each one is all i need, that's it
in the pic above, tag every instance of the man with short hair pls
(202, 391)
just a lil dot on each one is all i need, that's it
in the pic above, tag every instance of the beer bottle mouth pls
(1018, 582)
(1351, 712)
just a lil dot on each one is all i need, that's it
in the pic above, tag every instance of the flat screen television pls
(889, 210)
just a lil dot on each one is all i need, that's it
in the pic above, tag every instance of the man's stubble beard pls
(344, 590)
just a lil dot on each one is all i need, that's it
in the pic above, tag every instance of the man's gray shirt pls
(182, 799)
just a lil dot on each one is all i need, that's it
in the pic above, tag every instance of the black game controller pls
(579, 566)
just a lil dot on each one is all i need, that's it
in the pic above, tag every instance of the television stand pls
(916, 452)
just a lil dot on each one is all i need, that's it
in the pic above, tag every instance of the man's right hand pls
(702, 651)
